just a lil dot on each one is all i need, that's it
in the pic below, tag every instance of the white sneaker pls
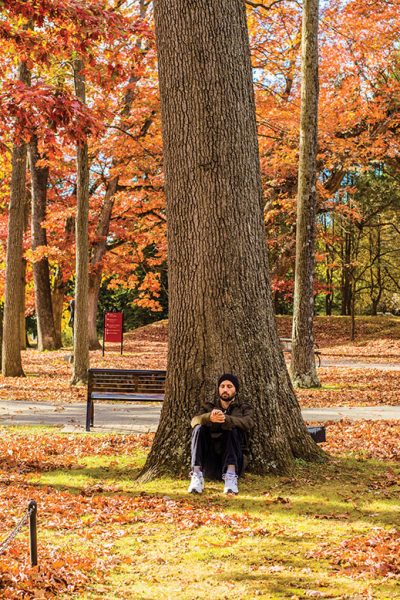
(231, 483)
(196, 485)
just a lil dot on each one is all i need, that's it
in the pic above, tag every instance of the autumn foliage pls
(358, 228)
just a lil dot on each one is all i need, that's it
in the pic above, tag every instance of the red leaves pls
(38, 108)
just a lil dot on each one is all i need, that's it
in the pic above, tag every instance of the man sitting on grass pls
(219, 437)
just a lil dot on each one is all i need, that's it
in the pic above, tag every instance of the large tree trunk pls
(81, 334)
(221, 311)
(47, 339)
(302, 366)
(11, 358)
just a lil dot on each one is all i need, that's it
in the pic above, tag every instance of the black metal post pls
(89, 414)
(32, 507)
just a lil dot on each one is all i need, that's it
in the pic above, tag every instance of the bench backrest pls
(126, 380)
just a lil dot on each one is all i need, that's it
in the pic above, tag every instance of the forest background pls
(358, 229)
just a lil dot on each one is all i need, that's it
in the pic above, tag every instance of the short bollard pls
(32, 507)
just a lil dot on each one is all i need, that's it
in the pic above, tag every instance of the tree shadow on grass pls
(342, 491)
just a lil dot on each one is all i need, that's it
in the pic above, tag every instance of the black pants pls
(214, 450)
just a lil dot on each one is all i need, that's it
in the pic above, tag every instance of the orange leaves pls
(59, 571)
(97, 515)
(377, 554)
(365, 439)
(353, 387)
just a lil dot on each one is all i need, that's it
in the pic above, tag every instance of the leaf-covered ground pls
(326, 531)
(49, 373)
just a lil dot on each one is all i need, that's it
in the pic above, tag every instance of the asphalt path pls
(348, 363)
(140, 418)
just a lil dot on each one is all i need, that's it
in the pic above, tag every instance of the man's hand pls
(217, 416)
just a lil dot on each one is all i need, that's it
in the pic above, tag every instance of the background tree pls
(47, 339)
(302, 366)
(221, 314)
(81, 329)
(11, 354)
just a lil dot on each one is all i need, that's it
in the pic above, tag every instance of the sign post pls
(113, 328)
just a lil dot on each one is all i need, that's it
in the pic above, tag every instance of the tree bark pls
(93, 300)
(221, 311)
(81, 333)
(11, 356)
(22, 307)
(57, 301)
(47, 339)
(302, 365)
(346, 274)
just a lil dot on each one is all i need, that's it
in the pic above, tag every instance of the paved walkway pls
(351, 363)
(139, 418)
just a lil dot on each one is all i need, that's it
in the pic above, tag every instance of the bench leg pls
(89, 414)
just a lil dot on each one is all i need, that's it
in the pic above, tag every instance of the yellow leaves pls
(53, 253)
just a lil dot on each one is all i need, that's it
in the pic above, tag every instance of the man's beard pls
(226, 397)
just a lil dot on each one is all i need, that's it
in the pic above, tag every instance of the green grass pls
(288, 519)
(264, 543)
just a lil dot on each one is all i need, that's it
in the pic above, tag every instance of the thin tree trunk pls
(346, 274)
(81, 334)
(22, 318)
(93, 300)
(221, 310)
(41, 272)
(11, 358)
(57, 301)
(302, 366)
(353, 313)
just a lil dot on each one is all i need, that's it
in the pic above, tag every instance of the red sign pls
(113, 327)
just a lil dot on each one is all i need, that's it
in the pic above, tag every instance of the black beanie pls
(229, 377)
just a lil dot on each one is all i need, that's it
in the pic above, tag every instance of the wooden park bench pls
(287, 347)
(125, 385)
(129, 385)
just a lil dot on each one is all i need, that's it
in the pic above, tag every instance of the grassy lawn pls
(324, 532)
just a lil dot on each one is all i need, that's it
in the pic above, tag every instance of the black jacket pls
(238, 414)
